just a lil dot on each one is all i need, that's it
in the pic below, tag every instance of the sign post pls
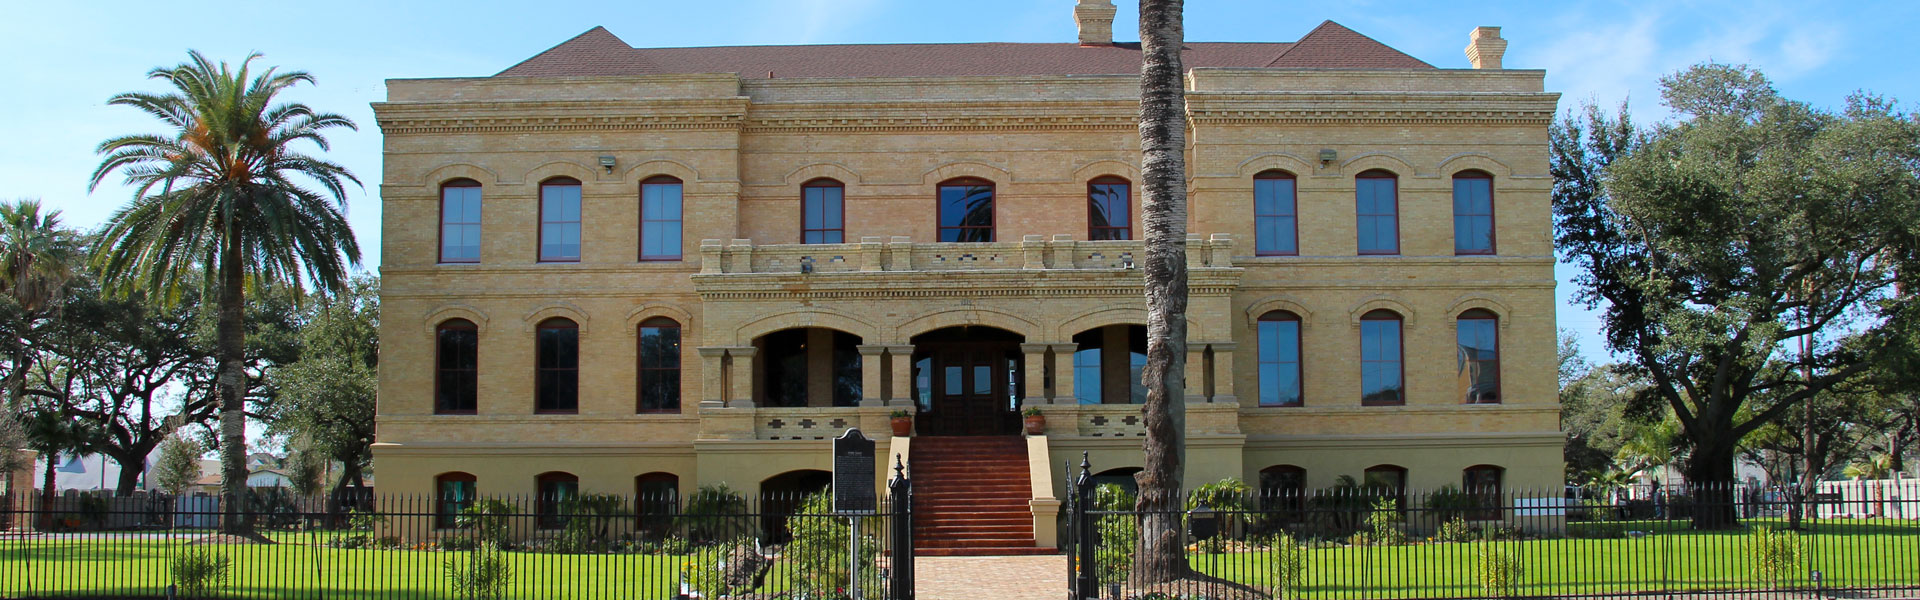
(853, 494)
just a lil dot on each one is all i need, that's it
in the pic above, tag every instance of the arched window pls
(557, 490)
(1279, 376)
(1387, 481)
(557, 368)
(1377, 207)
(659, 369)
(1473, 213)
(1284, 488)
(966, 210)
(823, 212)
(453, 493)
(1482, 483)
(460, 221)
(1276, 224)
(1109, 209)
(560, 220)
(657, 498)
(456, 380)
(660, 220)
(1478, 332)
(1382, 379)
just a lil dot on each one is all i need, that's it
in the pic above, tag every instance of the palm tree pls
(1163, 210)
(215, 202)
(50, 432)
(37, 259)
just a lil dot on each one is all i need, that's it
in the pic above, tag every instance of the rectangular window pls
(1107, 211)
(457, 378)
(1279, 362)
(659, 368)
(1380, 372)
(1275, 221)
(1472, 215)
(1086, 376)
(460, 224)
(966, 212)
(1479, 361)
(660, 221)
(823, 213)
(1377, 207)
(557, 377)
(560, 222)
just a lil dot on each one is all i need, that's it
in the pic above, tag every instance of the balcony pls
(875, 254)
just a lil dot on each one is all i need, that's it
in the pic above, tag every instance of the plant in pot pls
(1035, 421)
(902, 423)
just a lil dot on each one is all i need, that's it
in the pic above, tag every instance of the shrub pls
(710, 509)
(1775, 554)
(359, 533)
(1384, 523)
(1499, 572)
(485, 575)
(197, 570)
(672, 544)
(1290, 564)
(818, 549)
(1113, 556)
(706, 575)
(589, 523)
(1457, 530)
(487, 518)
(1449, 503)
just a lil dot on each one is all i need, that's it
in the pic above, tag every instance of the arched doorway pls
(782, 495)
(967, 381)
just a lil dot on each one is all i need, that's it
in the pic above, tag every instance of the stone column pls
(870, 381)
(902, 356)
(1223, 373)
(1063, 373)
(1036, 366)
(741, 393)
(713, 382)
(1196, 373)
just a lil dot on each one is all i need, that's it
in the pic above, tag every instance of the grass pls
(1849, 554)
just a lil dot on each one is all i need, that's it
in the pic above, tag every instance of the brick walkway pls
(995, 577)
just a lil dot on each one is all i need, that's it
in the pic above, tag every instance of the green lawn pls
(134, 565)
(1877, 553)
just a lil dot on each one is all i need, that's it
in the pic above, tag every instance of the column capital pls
(1035, 347)
(899, 348)
(741, 351)
(871, 349)
(712, 351)
(1069, 347)
(1224, 346)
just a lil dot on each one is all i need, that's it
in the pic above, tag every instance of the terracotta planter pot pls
(902, 426)
(1036, 424)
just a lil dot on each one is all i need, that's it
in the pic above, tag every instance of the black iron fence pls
(711, 544)
(1361, 542)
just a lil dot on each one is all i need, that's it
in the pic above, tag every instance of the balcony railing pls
(899, 253)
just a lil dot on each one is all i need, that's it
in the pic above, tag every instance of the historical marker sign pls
(853, 473)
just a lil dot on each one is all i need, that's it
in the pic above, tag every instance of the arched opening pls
(808, 366)
(782, 495)
(966, 210)
(1284, 488)
(1107, 365)
(823, 212)
(656, 499)
(1119, 476)
(453, 493)
(556, 489)
(968, 381)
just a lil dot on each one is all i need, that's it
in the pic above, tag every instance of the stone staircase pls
(971, 497)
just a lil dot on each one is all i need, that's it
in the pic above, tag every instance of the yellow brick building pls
(614, 270)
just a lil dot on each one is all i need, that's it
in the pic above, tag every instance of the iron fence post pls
(1086, 580)
(900, 562)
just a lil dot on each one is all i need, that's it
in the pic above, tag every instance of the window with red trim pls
(1279, 376)
(966, 210)
(460, 221)
(660, 218)
(555, 498)
(823, 212)
(456, 379)
(659, 369)
(1382, 377)
(1276, 224)
(1377, 210)
(453, 494)
(1478, 333)
(557, 369)
(1482, 484)
(1109, 209)
(560, 220)
(1473, 213)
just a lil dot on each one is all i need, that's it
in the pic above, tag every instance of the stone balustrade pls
(899, 253)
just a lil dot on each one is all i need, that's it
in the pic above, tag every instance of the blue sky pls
(66, 58)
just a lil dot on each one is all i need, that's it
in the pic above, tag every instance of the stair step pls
(1007, 551)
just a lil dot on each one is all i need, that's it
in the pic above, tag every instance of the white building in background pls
(1869, 498)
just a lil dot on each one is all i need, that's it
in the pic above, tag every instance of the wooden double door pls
(972, 388)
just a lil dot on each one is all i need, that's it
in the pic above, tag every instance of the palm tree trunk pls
(46, 491)
(231, 380)
(1161, 555)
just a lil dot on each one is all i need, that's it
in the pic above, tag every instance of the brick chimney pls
(1096, 22)
(1485, 47)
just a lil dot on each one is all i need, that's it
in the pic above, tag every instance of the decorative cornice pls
(1371, 117)
(531, 124)
(823, 124)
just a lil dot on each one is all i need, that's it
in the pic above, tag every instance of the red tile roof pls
(599, 53)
